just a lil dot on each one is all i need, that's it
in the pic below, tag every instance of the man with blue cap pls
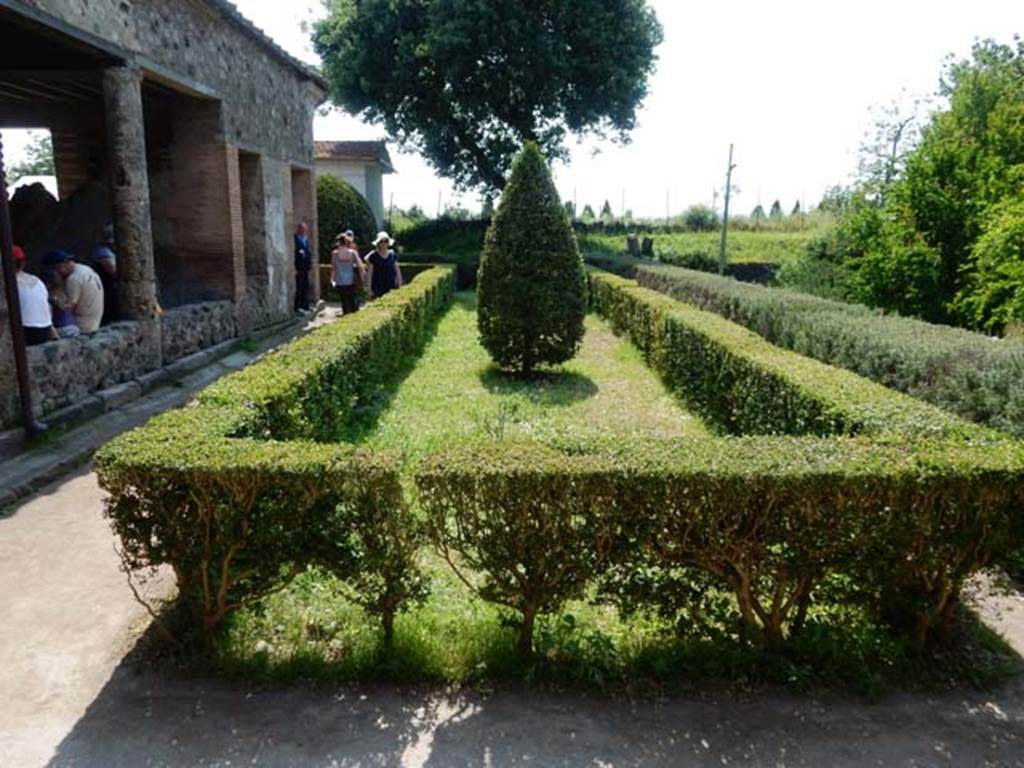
(83, 288)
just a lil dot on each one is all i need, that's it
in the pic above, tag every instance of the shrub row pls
(975, 376)
(239, 491)
(770, 520)
(744, 385)
(307, 389)
(835, 482)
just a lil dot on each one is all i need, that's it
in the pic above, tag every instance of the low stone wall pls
(66, 371)
(195, 327)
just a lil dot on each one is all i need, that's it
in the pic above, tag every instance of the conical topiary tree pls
(531, 288)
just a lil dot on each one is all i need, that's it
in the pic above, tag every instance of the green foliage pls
(401, 221)
(776, 211)
(466, 83)
(588, 216)
(532, 288)
(700, 218)
(38, 159)
(916, 499)
(747, 386)
(697, 249)
(935, 202)
(529, 533)
(975, 376)
(232, 494)
(993, 297)
(929, 550)
(340, 207)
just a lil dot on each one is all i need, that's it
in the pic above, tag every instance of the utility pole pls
(391, 213)
(725, 215)
(439, 203)
(668, 216)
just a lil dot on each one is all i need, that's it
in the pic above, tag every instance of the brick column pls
(129, 191)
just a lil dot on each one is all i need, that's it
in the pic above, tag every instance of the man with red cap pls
(34, 300)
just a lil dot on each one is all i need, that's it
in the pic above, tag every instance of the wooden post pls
(725, 215)
(32, 427)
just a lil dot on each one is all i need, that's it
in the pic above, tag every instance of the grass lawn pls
(456, 394)
(314, 630)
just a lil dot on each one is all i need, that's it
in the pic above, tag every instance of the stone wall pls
(267, 104)
(195, 327)
(214, 90)
(66, 371)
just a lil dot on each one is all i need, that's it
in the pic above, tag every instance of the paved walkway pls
(67, 698)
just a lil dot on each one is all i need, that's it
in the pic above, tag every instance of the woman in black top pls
(385, 275)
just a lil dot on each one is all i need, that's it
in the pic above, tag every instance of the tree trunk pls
(526, 631)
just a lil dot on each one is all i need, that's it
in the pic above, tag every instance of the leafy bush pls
(994, 295)
(700, 218)
(447, 237)
(530, 532)
(532, 294)
(919, 257)
(233, 495)
(340, 207)
(747, 386)
(766, 519)
(975, 376)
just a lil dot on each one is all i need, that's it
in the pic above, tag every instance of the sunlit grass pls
(456, 395)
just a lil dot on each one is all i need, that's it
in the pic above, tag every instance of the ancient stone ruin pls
(191, 131)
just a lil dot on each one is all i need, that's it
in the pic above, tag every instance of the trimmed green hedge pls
(823, 489)
(746, 386)
(768, 519)
(830, 479)
(240, 491)
(970, 374)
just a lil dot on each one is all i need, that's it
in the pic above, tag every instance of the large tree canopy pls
(466, 82)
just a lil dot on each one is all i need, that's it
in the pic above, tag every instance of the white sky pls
(789, 82)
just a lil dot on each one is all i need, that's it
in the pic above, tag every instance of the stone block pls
(237, 361)
(194, 327)
(185, 366)
(87, 408)
(12, 441)
(122, 394)
(152, 380)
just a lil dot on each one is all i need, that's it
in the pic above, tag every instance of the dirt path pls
(66, 699)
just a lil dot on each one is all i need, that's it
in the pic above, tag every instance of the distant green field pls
(775, 245)
(685, 247)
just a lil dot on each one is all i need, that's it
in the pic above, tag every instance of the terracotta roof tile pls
(367, 151)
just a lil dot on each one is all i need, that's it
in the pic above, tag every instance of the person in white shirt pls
(34, 300)
(83, 287)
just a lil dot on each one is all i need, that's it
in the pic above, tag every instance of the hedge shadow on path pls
(552, 388)
(155, 714)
